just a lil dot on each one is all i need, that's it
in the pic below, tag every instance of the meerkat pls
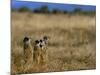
(28, 50)
(37, 52)
(43, 46)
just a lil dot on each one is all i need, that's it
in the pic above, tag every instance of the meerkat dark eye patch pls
(40, 45)
(25, 39)
(36, 41)
(41, 40)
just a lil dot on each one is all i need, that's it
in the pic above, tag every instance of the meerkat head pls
(37, 43)
(45, 38)
(26, 40)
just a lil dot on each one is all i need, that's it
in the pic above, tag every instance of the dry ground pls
(72, 43)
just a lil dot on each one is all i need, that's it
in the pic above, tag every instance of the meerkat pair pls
(40, 50)
(36, 53)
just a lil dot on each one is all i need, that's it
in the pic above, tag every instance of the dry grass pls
(72, 44)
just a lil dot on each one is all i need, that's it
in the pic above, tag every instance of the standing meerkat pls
(28, 50)
(37, 52)
(43, 45)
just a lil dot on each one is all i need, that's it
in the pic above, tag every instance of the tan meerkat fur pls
(40, 55)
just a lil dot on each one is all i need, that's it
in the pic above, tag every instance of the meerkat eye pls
(41, 41)
(40, 45)
(36, 41)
